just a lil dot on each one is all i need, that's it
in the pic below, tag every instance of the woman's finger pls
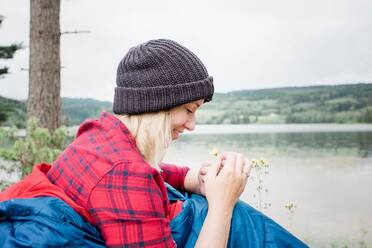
(214, 169)
(229, 162)
(239, 164)
(247, 167)
(204, 168)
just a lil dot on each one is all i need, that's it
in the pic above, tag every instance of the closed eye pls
(189, 111)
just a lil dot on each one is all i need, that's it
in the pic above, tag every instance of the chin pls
(175, 135)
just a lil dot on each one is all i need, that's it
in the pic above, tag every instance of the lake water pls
(325, 170)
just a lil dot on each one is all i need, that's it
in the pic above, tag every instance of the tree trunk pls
(44, 101)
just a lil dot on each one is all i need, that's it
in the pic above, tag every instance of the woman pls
(111, 175)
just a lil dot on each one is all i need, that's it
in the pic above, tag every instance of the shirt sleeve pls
(128, 208)
(174, 175)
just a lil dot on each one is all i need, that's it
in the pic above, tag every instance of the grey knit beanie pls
(159, 75)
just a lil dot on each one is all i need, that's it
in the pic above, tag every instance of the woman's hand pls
(194, 179)
(224, 182)
(201, 176)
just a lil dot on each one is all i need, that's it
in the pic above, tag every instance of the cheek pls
(178, 120)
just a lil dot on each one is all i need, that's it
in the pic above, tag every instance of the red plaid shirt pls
(103, 171)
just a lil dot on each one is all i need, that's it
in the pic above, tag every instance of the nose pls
(190, 124)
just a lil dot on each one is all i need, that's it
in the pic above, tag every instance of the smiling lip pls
(178, 133)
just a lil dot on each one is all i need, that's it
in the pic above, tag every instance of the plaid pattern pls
(103, 171)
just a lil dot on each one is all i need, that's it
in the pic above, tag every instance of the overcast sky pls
(244, 44)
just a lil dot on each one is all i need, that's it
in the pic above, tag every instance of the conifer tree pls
(7, 52)
(44, 102)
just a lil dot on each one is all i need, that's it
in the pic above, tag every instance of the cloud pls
(244, 44)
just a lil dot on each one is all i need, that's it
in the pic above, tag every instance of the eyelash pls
(189, 111)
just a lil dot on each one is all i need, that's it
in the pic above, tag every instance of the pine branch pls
(7, 52)
(3, 70)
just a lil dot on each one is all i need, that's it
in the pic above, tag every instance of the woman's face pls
(183, 117)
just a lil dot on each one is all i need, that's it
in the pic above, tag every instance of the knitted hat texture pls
(159, 75)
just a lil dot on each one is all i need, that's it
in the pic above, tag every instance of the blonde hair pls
(152, 132)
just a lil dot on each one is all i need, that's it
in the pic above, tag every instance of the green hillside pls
(12, 112)
(74, 111)
(314, 104)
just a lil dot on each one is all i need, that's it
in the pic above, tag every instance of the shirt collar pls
(112, 122)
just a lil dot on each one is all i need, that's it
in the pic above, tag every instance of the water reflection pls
(357, 144)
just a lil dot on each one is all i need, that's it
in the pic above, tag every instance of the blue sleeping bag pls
(50, 222)
(249, 227)
(45, 222)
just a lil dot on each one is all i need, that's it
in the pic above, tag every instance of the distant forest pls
(314, 104)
